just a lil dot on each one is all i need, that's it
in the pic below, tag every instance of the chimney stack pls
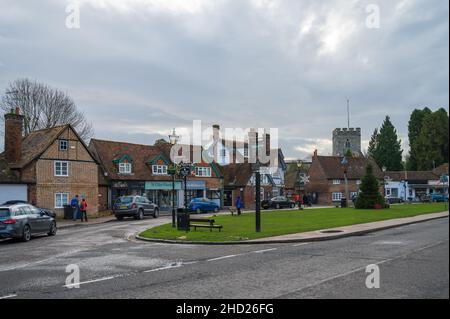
(13, 136)
(315, 153)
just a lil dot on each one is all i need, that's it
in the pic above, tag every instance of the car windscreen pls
(4, 213)
(124, 200)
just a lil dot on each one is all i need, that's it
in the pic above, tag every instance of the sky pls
(138, 68)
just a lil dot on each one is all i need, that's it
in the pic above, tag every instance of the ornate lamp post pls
(173, 170)
(184, 171)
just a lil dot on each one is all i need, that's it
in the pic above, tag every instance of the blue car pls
(203, 205)
(439, 197)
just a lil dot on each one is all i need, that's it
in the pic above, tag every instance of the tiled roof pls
(107, 152)
(412, 176)
(441, 170)
(237, 174)
(356, 167)
(35, 143)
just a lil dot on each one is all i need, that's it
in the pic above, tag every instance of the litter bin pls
(68, 212)
(343, 202)
(183, 220)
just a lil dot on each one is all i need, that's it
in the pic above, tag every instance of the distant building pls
(347, 139)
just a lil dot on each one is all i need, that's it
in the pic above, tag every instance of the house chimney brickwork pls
(13, 136)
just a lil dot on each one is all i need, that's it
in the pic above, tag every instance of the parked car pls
(439, 197)
(24, 221)
(203, 205)
(277, 203)
(425, 199)
(134, 206)
(393, 200)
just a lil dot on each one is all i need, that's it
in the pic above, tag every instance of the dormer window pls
(203, 171)
(63, 145)
(159, 169)
(125, 168)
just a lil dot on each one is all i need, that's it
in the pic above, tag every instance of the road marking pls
(92, 281)
(264, 250)
(178, 265)
(223, 257)
(388, 243)
(8, 296)
(302, 244)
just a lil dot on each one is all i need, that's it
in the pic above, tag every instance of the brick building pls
(326, 177)
(136, 169)
(53, 165)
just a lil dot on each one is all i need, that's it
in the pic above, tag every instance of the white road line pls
(301, 244)
(264, 250)
(223, 257)
(92, 281)
(164, 268)
(8, 296)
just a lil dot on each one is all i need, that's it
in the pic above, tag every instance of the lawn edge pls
(298, 240)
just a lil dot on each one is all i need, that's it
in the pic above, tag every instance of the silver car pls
(24, 221)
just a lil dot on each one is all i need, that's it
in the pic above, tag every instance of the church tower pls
(347, 139)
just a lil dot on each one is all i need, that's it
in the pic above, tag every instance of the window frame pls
(336, 181)
(61, 199)
(203, 170)
(125, 165)
(66, 142)
(334, 198)
(159, 169)
(55, 169)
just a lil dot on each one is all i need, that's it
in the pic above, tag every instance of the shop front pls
(126, 188)
(160, 193)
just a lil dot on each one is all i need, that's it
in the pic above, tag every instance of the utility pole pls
(257, 184)
(348, 113)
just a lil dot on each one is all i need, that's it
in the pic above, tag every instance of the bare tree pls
(44, 107)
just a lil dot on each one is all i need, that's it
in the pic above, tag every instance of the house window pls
(336, 181)
(245, 152)
(203, 171)
(63, 145)
(358, 182)
(124, 168)
(223, 152)
(353, 195)
(61, 168)
(336, 197)
(159, 169)
(388, 192)
(61, 199)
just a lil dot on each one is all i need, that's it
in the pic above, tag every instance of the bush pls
(370, 197)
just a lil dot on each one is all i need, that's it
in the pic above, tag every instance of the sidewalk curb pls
(82, 225)
(279, 241)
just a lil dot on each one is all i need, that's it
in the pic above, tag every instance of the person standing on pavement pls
(238, 205)
(75, 203)
(83, 209)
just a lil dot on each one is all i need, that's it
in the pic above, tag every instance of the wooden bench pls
(210, 224)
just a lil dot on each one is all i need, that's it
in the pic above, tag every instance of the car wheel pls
(26, 233)
(140, 214)
(53, 229)
(216, 210)
(277, 206)
(156, 213)
(119, 218)
(198, 210)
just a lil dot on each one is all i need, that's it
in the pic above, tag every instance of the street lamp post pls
(257, 167)
(384, 180)
(345, 163)
(173, 138)
(185, 170)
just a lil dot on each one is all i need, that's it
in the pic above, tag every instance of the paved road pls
(413, 262)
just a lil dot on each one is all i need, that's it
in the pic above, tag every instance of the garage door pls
(12, 192)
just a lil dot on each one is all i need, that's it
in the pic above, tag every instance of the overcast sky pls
(138, 68)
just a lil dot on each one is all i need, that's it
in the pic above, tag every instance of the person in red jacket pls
(83, 209)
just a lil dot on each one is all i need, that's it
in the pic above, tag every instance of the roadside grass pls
(275, 223)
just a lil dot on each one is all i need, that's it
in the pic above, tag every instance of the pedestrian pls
(75, 203)
(305, 200)
(297, 200)
(238, 205)
(83, 209)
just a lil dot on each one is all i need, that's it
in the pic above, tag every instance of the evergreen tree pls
(432, 144)
(388, 152)
(373, 144)
(369, 195)
(414, 128)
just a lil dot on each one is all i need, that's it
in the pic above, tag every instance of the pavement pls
(413, 262)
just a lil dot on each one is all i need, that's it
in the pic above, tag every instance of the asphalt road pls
(413, 262)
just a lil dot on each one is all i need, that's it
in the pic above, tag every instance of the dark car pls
(24, 221)
(393, 200)
(134, 206)
(277, 203)
(203, 205)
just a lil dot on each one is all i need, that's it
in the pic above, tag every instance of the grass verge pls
(275, 223)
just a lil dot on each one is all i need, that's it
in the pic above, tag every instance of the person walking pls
(238, 205)
(83, 209)
(75, 203)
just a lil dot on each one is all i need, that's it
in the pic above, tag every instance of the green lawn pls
(274, 223)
